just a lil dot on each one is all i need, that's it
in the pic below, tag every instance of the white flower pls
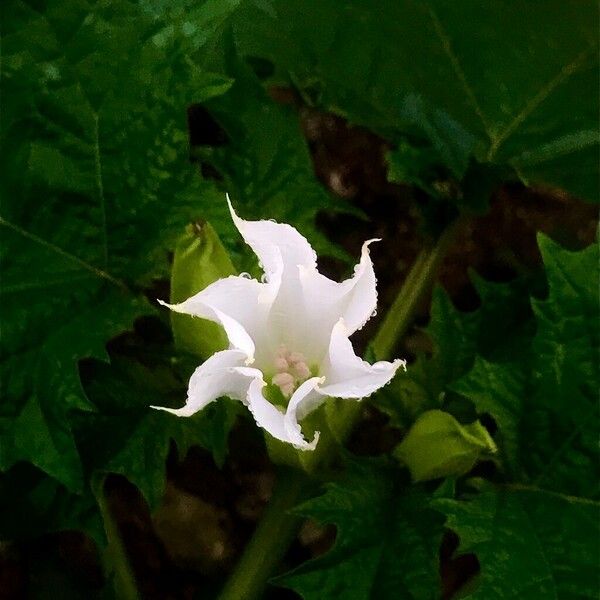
(288, 334)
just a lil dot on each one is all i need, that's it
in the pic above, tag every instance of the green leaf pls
(437, 445)
(387, 540)
(530, 543)
(507, 84)
(200, 259)
(33, 503)
(546, 406)
(412, 164)
(96, 188)
(501, 328)
(537, 535)
(266, 163)
(41, 347)
(127, 437)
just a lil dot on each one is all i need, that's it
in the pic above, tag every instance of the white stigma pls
(292, 370)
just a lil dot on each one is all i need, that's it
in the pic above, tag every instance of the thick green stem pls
(278, 527)
(417, 284)
(116, 556)
(274, 533)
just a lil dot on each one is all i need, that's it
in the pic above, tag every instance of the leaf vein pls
(537, 99)
(61, 252)
(100, 188)
(447, 47)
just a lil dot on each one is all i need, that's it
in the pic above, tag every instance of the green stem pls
(116, 556)
(278, 527)
(275, 532)
(417, 284)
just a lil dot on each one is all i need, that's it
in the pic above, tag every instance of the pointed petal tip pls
(309, 446)
(401, 363)
(178, 412)
(174, 307)
(237, 221)
(229, 204)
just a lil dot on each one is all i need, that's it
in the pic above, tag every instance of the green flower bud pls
(437, 445)
(200, 259)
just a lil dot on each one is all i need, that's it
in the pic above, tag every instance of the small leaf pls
(437, 445)
(129, 438)
(200, 259)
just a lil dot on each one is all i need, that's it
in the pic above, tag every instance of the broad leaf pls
(473, 81)
(500, 328)
(530, 543)
(538, 535)
(387, 540)
(140, 438)
(96, 187)
(546, 406)
(32, 503)
(266, 164)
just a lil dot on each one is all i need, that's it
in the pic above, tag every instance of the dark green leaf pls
(387, 541)
(266, 164)
(96, 187)
(507, 83)
(32, 503)
(530, 543)
(538, 535)
(127, 437)
(500, 328)
(546, 406)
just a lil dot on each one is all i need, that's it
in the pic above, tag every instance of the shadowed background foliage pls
(123, 125)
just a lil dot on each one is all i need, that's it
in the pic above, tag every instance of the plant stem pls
(116, 557)
(418, 283)
(274, 533)
(278, 527)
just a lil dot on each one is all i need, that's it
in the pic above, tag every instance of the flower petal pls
(275, 242)
(305, 400)
(347, 375)
(216, 377)
(240, 305)
(273, 420)
(354, 300)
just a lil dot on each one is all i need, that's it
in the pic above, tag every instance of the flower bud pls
(200, 259)
(437, 445)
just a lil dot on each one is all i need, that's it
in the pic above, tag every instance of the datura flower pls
(289, 346)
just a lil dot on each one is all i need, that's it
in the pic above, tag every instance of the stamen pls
(301, 370)
(285, 382)
(291, 369)
(281, 364)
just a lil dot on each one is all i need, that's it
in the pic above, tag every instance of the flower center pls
(292, 370)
